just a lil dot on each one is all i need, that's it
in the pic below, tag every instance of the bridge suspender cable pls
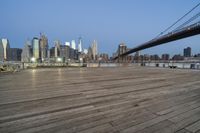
(179, 20)
(187, 22)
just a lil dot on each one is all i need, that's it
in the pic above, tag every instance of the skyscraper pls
(64, 52)
(52, 52)
(26, 52)
(1, 51)
(6, 47)
(73, 44)
(94, 50)
(187, 52)
(80, 45)
(36, 48)
(90, 53)
(15, 54)
(155, 57)
(165, 56)
(57, 48)
(67, 44)
(43, 46)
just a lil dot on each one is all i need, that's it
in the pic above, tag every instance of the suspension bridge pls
(182, 31)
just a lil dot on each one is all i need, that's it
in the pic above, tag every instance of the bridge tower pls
(122, 49)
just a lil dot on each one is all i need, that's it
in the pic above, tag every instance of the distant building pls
(26, 52)
(146, 57)
(52, 52)
(67, 52)
(137, 56)
(1, 51)
(80, 45)
(130, 58)
(177, 57)
(187, 52)
(67, 44)
(36, 48)
(73, 44)
(90, 54)
(15, 54)
(6, 48)
(76, 54)
(85, 51)
(64, 52)
(57, 48)
(154, 57)
(165, 57)
(104, 57)
(94, 50)
(72, 53)
(48, 54)
(197, 55)
(141, 57)
(43, 46)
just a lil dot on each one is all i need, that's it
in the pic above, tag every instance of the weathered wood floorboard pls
(100, 100)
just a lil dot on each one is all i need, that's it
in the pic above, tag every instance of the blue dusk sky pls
(110, 22)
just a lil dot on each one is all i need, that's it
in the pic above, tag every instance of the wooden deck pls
(100, 100)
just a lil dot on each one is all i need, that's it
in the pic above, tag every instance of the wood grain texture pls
(100, 100)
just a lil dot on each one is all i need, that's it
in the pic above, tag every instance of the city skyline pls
(38, 50)
(95, 20)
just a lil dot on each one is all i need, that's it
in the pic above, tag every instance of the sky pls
(110, 22)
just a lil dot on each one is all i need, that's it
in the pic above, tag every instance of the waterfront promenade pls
(100, 100)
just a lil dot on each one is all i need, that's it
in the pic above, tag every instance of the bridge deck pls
(98, 100)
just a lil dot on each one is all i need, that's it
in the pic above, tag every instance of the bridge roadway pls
(100, 100)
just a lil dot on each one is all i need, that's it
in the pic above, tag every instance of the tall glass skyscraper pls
(73, 44)
(187, 52)
(80, 45)
(43, 46)
(6, 47)
(57, 48)
(36, 48)
(26, 52)
(1, 51)
(94, 50)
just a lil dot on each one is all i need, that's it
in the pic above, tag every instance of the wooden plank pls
(183, 131)
(125, 99)
(160, 118)
(194, 127)
(156, 127)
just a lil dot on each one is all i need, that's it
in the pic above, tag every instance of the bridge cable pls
(189, 21)
(179, 20)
